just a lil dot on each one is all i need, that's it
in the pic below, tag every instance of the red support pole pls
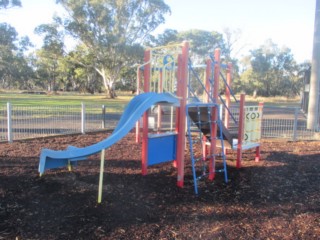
(257, 158)
(205, 151)
(146, 88)
(216, 75)
(214, 127)
(240, 130)
(228, 101)
(207, 84)
(177, 119)
(182, 90)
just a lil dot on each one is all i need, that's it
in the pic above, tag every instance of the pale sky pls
(287, 22)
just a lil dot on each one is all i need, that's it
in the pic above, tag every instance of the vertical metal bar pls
(295, 124)
(9, 122)
(219, 121)
(213, 120)
(137, 93)
(160, 90)
(194, 174)
(83, 118)
(240, 130)
(171, 118)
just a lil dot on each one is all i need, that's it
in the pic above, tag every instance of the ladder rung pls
(198, 159)
(195, 130)
(220, 170)
(201, 176)
(214, 155)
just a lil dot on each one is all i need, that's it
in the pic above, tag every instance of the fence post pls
(103, 123)
(83, 118)
(9, 122)
(295, 124)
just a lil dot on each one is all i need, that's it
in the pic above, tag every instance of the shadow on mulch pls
(277, 198)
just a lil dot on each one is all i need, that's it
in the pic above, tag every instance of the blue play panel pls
(161, 148)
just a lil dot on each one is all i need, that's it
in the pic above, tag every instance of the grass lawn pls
(63, 99)
(115, 105)
(276, 101)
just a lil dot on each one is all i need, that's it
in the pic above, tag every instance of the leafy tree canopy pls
(202, 42)
(112, 31)
(9, 3)
(273, 71)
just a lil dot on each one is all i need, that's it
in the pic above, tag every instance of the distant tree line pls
(111, 36)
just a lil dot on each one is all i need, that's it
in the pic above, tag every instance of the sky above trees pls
(110, 37)
(286, 22)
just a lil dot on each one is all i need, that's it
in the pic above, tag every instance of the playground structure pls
(165, 78)
(169, 69)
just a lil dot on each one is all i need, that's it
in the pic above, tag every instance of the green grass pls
(114, 105)
(275, 101)
(63, 99)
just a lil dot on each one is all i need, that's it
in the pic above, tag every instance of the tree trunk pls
(108, 84)
(313, 108)
(111, 92)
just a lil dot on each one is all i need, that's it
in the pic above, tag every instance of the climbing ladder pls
(204, 125)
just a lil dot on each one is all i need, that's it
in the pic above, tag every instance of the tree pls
(14, 69)
(202, 42)
(163, 39)
(50, 54)
(84, 77)
(4, 4)
(272, 71)
(112, 31)
(232, 43)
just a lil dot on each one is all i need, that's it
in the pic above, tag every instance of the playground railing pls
(41, 121)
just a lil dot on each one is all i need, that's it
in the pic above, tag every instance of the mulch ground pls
(277, 198)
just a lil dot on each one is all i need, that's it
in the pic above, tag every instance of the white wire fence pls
(283, 123)
(288, 123)
(23, 122)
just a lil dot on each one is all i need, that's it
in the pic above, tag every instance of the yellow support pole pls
(101, 175)
(69, 166)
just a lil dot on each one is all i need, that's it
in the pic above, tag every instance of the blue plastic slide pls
(134, 110)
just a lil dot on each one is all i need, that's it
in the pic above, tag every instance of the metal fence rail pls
(288, 123)
(30, 122)
(3, 123)
(23, 122)
(285, 123)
